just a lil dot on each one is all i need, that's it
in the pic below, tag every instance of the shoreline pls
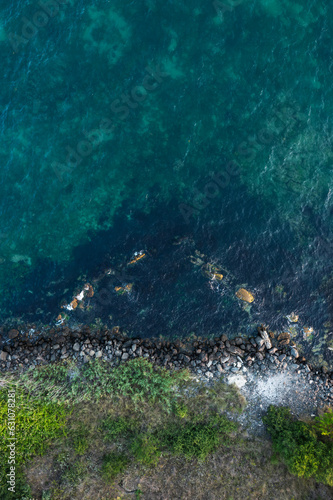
(237, 358)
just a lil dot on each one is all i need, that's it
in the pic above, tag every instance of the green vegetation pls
(324, 423)
(136, 420)
(146, 449)
(197, 439)
(113, 464)
(300, 446)
(114, 427)
(37, 425)
(137, 379)
(97, 421)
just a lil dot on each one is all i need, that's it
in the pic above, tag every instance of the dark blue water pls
(168, 129)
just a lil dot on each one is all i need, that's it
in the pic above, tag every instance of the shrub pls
(114, 427)
(146, 449)
(139, 380)
(113, 464)
(197, 439)
(180, 409)
(299, 447)
(324, 423)
(80, 439)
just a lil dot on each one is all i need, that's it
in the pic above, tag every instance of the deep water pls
(169, 128)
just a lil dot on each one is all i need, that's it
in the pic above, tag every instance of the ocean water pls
(196, 133)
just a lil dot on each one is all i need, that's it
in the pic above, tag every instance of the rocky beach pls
(266, 368)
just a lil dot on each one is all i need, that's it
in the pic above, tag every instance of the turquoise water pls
(168, 129)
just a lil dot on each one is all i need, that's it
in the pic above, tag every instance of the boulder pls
(244, 295)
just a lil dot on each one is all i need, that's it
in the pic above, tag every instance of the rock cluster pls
(206, 358)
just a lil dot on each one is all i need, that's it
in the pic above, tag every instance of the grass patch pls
(94, 421)
(37, 426)
(113, 464)
(137, 379)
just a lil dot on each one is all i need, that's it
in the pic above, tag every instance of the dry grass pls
(245, 469)
(240, 473)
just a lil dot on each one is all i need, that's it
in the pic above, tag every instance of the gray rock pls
(294, 352)
(282, 357)
(125, 356)
(56, 347)
(91, 353)
(224, 359)
(235, 350)
(259, 341)
(118, 353)
(133, 347)
(219, 368)
(76, 347)
(99, 354)
(3, 356)
(266, 339)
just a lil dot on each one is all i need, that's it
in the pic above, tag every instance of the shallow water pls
(169, 129)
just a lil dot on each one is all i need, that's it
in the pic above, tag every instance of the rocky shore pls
(261, 354)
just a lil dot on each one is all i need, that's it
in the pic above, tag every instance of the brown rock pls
(284, 338)
(235, 350)
(13, 333)
(244, 295)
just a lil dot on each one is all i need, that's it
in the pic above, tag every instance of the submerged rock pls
(293, 318)
(244, 295)
(284, 338)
